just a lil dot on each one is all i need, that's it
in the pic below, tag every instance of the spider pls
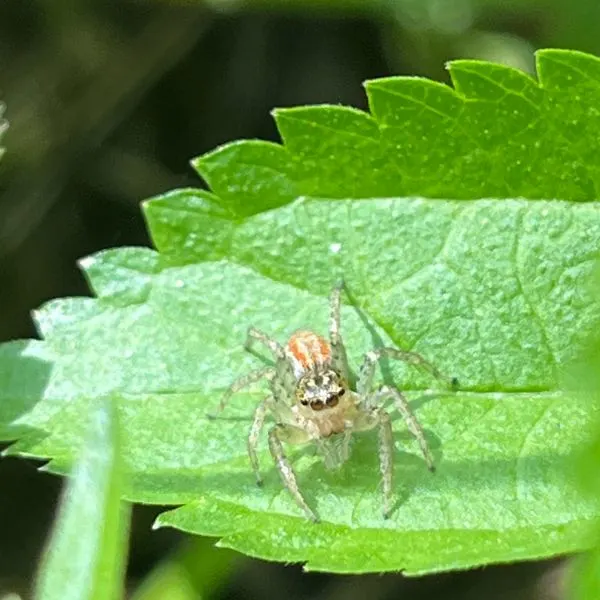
(312, 401)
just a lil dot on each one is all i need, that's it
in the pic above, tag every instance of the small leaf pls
(86, 556)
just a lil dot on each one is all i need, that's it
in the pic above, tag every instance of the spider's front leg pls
(290, 481)
(241, 383)
(339, 360)
(403, 408)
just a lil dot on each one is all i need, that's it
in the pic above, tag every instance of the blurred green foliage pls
(107, 102)
(85, 559)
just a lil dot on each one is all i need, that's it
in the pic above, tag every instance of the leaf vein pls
(517, 257)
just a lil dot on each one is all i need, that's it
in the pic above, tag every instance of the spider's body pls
(307, 351)
(311, 401)
(318, 386)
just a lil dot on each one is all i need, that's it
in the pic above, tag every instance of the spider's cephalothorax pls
(311, 401)
(320, 389)
(318, 386)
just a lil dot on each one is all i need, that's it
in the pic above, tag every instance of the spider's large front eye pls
(333, 400)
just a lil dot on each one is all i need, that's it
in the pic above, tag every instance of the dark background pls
(108, 101)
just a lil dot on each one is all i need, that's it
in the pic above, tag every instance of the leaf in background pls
(491, 291)
(3, 127)
(85, 559)
(584, 578)
(498, 134)
(195, 571)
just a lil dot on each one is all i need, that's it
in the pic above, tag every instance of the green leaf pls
(483, 289)
(197, 570)
(491, 291)
(86, 556)
(23, 377)
(498, 134)
(584, 576)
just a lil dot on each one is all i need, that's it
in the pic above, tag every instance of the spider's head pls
(321, 389)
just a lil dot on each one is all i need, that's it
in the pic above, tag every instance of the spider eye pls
(332, 400)
(317, 405)
(304, 402)
(341, 392)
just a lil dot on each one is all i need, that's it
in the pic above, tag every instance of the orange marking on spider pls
(308, 350)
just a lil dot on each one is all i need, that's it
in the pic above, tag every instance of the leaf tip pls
(159, 523)
(573, 63)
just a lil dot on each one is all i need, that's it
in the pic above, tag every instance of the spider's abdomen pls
(308, 351)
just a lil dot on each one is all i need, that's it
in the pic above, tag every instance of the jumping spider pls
(311, 400)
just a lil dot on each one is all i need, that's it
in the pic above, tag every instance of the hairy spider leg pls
(286, 472)
(283, 382)
(242, 382)
(386, 460)
(367, 370)
(403, 408)
(339, 360)
(274, 346)
(257, 425)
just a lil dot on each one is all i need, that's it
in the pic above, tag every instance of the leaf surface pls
(491, 291)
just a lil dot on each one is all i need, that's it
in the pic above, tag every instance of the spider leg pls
(386, 458)
(339, 360)
(241, 383)
(287, 473)
(257, 425)
(367, 370)
(283, 382)
(346, 443)
(274, 346)
(408, 416)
